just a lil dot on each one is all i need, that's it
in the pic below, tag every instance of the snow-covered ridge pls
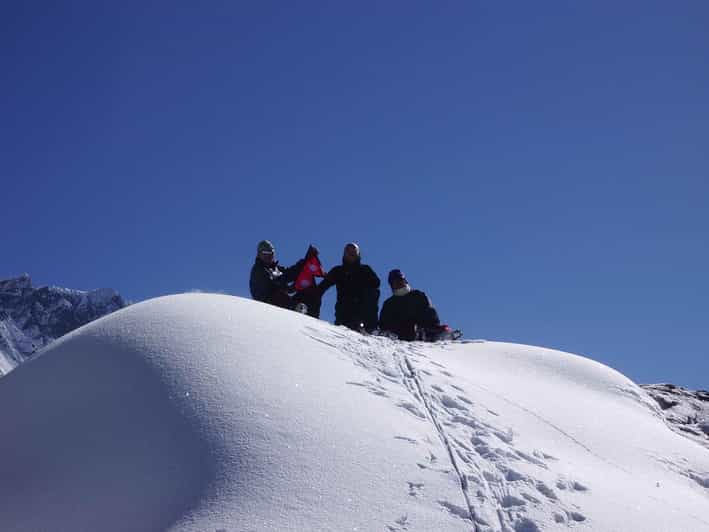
(31, 318)
(204, 412)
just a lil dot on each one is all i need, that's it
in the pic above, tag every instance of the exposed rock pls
(686, 411)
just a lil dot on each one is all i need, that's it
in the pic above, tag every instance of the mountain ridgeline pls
(31, 318)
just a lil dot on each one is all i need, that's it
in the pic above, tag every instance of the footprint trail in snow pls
(505, 485)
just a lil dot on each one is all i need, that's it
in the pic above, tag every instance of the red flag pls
(311, 269)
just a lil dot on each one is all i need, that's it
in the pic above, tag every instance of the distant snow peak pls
(16, 286)
(31, 318)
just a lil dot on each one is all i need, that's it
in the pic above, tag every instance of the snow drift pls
(215, 413)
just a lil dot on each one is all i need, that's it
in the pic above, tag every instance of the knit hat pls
(354, 246)
(397, 275)
(265, 247)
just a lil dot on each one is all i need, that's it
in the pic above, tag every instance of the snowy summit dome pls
(206, 413)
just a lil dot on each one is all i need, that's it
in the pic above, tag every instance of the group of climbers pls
(408, 314)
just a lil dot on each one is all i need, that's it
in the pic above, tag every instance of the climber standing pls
(357, 291)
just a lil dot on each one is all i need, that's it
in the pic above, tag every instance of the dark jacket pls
(403, 315)
(357, 294)
(269, 283)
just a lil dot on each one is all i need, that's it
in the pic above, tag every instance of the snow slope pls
(214, 413)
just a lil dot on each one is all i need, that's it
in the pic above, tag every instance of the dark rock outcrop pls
(686, 411)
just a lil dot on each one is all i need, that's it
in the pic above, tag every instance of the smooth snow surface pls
(214, 413)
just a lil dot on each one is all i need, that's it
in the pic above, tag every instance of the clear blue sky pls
(540, 169)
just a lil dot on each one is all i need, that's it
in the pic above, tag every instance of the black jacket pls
(357, 294)
(402, 315)
(269, 283)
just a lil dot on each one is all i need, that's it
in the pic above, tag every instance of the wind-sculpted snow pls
(204, 413)
(214, 413)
